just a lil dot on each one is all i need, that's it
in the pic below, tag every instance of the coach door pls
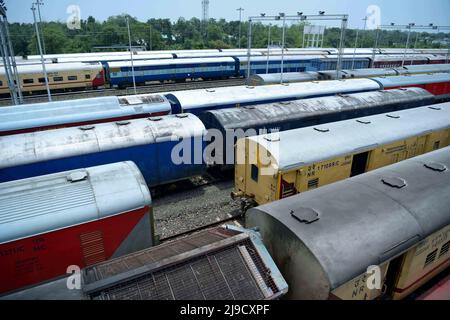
(359, 163)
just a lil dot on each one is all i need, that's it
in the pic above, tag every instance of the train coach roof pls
(55, 67)
(265, 114)
(144, 63)
(410, 80)
(299, 147)
(47, 203)
(271, 78)
(424, 68)
(363, 221)
(115, 58)
(76, 111)
(228, 96)
(244, 59)
(40, 146)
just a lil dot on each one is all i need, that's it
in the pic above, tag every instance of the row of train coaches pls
(88, 71)
(353, 166)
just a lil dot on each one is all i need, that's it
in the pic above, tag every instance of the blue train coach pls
(147, 142)
(176, 69)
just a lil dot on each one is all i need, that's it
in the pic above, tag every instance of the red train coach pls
(73, 218)
(437, 83)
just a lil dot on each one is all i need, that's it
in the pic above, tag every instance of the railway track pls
(189, 85)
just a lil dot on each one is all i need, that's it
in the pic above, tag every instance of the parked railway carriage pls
(264, 79)
(295, 114)
(150, 143)
(392, 61)
(329, 62)
(357, 73)
(162, 70)
(427, 68)
(79, 217)
(60, 114)
(275, 166)
(288, 77)
(272, 64)
(198, 101)
(328, 242)
(60, 77)
(437, 83)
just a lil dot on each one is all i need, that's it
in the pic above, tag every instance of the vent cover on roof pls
(435, 166)
(214, 264)
(322, 129)
(394, 182)
(305, 215)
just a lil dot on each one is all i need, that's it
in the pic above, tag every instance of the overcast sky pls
(398, 11)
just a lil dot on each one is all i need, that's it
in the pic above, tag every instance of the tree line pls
(162, 34)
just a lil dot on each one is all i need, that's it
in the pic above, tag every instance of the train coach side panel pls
(429, 257)
(153, 160)
(48, 255)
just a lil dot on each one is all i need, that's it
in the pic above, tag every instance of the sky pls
(398, 11)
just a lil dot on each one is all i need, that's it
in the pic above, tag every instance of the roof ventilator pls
(392, 116)
(77, 176)
(322, 129)
(394, 182)
(305, 215)
(85, 128)
(435, 166)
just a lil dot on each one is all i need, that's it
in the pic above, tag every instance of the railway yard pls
(226, 174)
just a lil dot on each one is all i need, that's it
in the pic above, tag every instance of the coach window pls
(87, 76)
(72, 78)
(255, 173)
(27, 81)
(41, 80)
(1, 83)
(56, 79)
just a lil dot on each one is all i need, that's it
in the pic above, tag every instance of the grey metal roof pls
(358, 73)
(407, 80)
(424, 68)
(362, 221)
(75, 111)
(275, 78)
(266, 114)
(304, 146)
(202, 98)
(41, 204)
(158, 62)
(55, 67)
(40, 146)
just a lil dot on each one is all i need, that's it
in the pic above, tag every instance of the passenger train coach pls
(74, 218)
(389, 227)
(64, 76)
(278, 165)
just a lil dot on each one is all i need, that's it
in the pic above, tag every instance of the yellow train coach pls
(278, 165)
(61, 76)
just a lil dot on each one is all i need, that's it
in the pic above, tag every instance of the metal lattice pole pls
(41, 54)
(249, 49)
(341, 44)
(39, 3)
(240, 24)
(283, 43)
(407, 46)
(131, 54)
(268, 49)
